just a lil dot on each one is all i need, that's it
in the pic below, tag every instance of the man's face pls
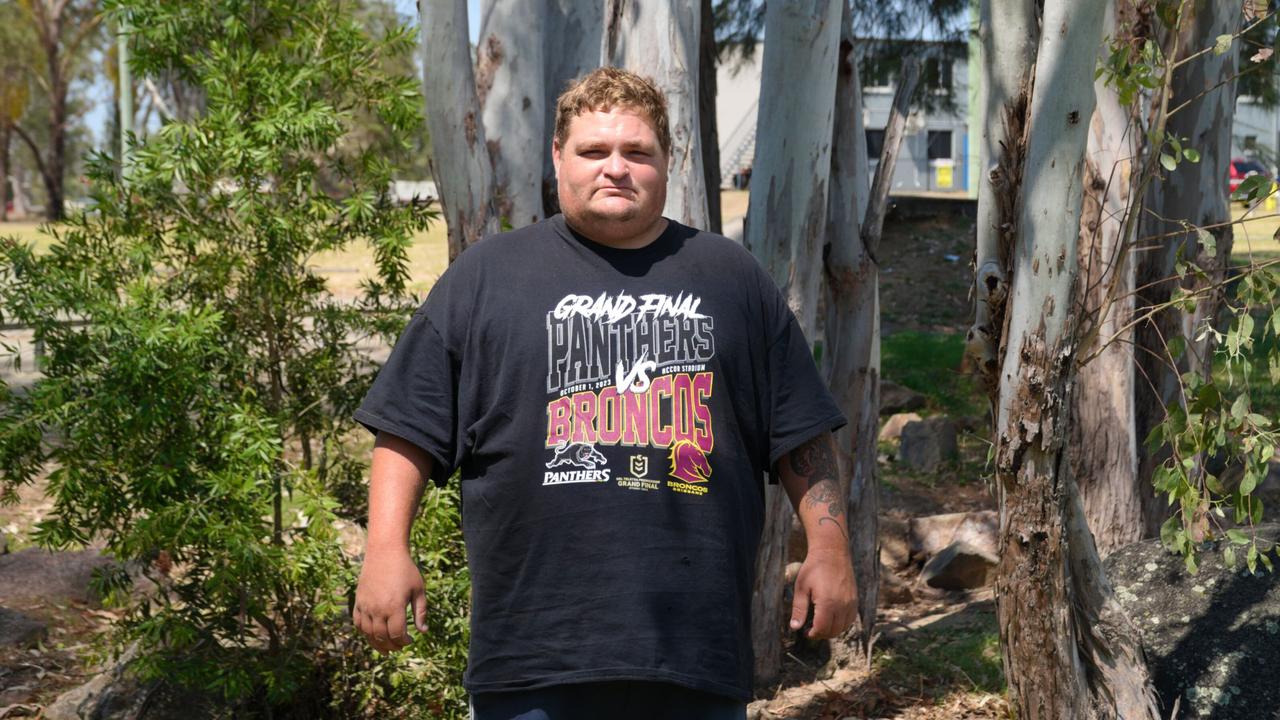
(612, 173)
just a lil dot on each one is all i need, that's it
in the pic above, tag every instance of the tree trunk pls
(55, 165)
(786, 220)
(708, 131)
(1069, 652)
(571, 48)
(509, 77)
(1103, 447)
(1194, 193)
(4, 171)
(852, 354)
(460, 164)
(1008, 50)
(661, 40)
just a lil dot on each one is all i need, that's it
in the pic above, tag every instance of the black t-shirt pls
(613, 413)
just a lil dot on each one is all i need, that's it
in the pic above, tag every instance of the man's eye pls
(593, 153)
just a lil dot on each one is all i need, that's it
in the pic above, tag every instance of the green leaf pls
(1207, 241)
(1251, 558)
(1229, 556)
(1236, 537)
(1169, 530)
(1240, 407)
(1222, 44)
(1191, 154)
(1168, 162)
(1191, 563)
(1248, 483)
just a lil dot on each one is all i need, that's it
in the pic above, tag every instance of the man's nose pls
(615, 165)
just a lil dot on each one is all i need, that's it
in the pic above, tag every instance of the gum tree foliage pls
(193, 410)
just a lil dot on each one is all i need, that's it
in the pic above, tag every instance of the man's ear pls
(555, 155)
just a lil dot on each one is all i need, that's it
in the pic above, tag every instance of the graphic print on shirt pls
(630, 371)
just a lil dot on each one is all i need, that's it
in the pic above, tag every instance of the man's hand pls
(811, 477)
(826, 581)
(389, 583)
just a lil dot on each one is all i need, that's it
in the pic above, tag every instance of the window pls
(939, 144)
(937, 74)
(875, 143)
(876, 72)
(1250, 142)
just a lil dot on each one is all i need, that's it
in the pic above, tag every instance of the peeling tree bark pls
(785, 228)
(1195, 193)
(660, 40)
(1069, 652)
(1103, 446)
(460, 162)
(1008, 49)
(509, 78)
(852, 329)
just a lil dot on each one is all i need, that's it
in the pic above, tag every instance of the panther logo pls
(577, 454)
(689, 463)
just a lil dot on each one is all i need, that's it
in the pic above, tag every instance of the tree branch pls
(35, 151)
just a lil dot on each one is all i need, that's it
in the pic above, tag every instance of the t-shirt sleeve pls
(415, 396)
(800, 405)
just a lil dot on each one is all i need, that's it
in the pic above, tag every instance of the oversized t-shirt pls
(613, 414)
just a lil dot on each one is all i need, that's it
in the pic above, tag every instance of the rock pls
(896, 399)
(50, 577)
(892, 429)
(893, 589)
(895, 549)
(1212, 638)
(960, 566)
(791, 572)
(112, 694)
(20, 630)
(926, 444)
(927, 536)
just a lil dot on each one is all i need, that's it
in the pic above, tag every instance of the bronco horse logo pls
(689, 463)
(580, 454)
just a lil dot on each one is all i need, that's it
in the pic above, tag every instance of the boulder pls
(1212, 639)
(927, 536)
(960, 566)
(896, 399)
(892, 429)
(926, 444)
(35, 574)
(20, 630)
(895, 549)
(116, 694)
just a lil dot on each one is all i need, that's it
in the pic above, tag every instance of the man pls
(612, 386)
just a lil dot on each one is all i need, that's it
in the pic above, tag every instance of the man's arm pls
(389, 580)
(811, 477)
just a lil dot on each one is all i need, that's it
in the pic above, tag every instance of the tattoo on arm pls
(815, 461)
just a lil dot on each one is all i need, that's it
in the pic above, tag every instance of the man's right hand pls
(389, 583)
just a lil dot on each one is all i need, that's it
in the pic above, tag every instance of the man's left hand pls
(826, 581)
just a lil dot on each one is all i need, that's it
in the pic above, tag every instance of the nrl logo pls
(639, 465)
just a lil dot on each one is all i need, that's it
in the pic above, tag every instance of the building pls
(938, 152)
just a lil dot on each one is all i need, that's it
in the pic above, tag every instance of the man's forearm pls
(810, 474)
(397, 478)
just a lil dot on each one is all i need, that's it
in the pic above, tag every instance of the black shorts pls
(611, 700)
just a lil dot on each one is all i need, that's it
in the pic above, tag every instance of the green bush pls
(196, 392)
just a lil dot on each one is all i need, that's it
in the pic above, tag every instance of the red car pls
(1241, 169)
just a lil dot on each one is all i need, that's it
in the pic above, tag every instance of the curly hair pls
(607, 88)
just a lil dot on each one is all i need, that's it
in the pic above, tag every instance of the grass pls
(944, 659)
(1255, 235)
(929, 363)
